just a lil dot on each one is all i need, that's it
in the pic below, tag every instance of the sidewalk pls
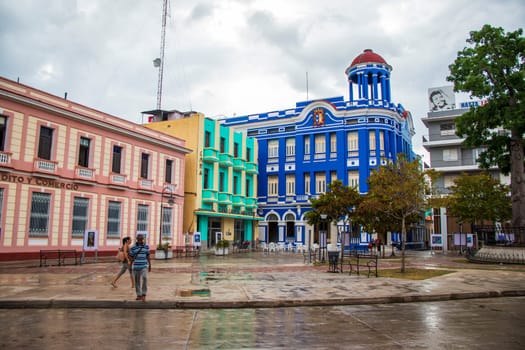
(249, 280)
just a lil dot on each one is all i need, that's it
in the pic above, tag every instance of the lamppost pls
(461, 239)
(309, 246)
(166, 190)
(322, 238)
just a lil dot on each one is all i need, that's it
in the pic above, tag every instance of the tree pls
(493, 68)
(338, 204)
(398, 192)
(478, 197)
(367, 216)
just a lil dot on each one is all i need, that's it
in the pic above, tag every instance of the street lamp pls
(461, 239)
(322, 238)
(309, 246)
(166, 190)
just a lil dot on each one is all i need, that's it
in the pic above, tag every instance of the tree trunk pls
(517, 179)
(403, 238)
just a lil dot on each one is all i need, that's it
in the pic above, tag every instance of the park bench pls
(309, 255)
(357, 260)
(60, 254)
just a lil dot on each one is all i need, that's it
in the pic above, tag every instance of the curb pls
(250, 304)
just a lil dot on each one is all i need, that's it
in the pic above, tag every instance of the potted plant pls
(221, 247)
(164, 251)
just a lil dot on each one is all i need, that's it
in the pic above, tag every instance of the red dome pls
(368, 56)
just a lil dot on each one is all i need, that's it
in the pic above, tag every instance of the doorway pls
(290, 227)
(273, 228)
(214, 226)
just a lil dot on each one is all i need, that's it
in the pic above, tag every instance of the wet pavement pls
(494, 323)
(250, 280)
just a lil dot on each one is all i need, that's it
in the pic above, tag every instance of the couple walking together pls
(137, 262)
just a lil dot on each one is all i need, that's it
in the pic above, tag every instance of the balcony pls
(290, 198)
(145, 184)
(225, 160)
(251, 203)
(44, 165)
(209, 155)
(238, 164)
(5, 159)
(251, 168)
(225, 198)
(82, 173)
(117, 179)
(237, 200)
(209, 196)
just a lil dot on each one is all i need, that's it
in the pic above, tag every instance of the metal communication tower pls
(162, 44)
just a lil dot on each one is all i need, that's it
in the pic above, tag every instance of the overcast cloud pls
(235, 56)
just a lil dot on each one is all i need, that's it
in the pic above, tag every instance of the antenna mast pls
(162, 44)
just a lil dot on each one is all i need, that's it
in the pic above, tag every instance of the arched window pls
(272, 217)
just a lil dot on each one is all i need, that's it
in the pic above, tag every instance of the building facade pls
(303, 149)
(449, 157)
(220, 177)
(75, 178)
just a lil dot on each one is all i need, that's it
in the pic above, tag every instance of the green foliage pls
(398, 191)
(479, 197)
(397, 196)
(337, 203)
(492, 67)
(164, 246)
(223, 243)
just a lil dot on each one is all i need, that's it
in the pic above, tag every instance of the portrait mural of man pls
(441, 98)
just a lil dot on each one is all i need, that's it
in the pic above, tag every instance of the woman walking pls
(126, 263)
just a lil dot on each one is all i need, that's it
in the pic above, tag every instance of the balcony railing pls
(117, 179)
(84, 173)
(209, 155)
(5, 158)
(225, 198)
(237, 200)
(238, 163)
(209, 196)
(225, 160)
(251, 203)
(45, 165)
(146, 184)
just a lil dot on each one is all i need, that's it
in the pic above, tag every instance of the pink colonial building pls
(75, 178)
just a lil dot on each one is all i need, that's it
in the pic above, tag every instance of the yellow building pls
(220, 178)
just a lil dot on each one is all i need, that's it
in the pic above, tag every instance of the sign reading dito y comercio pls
(38, 181)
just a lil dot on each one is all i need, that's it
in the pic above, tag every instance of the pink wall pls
(22, 173)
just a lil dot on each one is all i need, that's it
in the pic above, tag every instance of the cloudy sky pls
(226, 57)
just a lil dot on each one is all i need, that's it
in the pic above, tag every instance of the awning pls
(228, 215)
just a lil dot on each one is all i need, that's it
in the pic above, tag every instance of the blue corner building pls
(303, 149)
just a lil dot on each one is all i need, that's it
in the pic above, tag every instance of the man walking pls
(141, 265)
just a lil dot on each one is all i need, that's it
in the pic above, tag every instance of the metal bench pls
(60, 254)
(356, 260)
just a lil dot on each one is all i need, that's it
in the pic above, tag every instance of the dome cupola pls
(369, 80)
